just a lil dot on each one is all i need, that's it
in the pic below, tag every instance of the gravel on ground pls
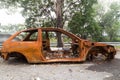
(15, 69)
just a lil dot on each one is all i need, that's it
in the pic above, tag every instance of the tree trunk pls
(59, 21)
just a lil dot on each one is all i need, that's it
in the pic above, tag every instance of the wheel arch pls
(18, 54)
(94, 51)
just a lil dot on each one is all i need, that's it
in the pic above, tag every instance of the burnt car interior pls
(50, 50)
(70, 48)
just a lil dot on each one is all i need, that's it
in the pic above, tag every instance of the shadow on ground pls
(112, 67)
(16, 61)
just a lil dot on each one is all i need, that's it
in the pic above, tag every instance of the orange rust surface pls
(38, 50)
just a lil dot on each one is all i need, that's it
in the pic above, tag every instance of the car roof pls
(49, 29)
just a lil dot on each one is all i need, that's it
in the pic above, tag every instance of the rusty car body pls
(38, 45)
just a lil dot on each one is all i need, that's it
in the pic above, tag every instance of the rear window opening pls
(26, 36)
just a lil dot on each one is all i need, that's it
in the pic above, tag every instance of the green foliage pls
(83, 22)
(38, 11)
(47, 24)
(110, 22)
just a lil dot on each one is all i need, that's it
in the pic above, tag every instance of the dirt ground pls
(15, 69)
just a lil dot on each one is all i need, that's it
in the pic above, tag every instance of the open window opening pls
(27, 36)
(70, 47)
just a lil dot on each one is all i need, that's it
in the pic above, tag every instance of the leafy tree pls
(35, 11)
(110, 22)
(83, 22)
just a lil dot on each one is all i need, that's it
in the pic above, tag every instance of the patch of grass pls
(117, 46)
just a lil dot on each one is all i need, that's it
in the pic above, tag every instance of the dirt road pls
(16, 69)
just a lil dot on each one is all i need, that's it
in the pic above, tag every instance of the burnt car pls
(39, 45)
